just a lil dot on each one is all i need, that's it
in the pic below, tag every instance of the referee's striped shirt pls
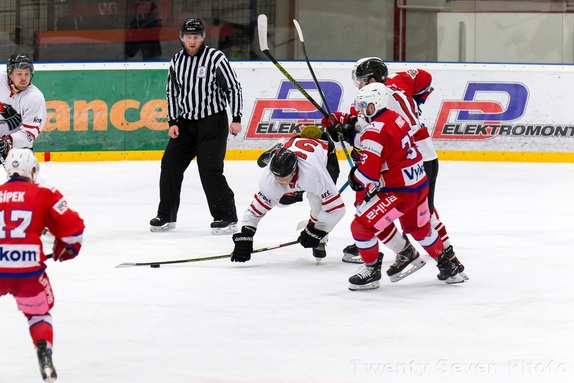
(202, 85)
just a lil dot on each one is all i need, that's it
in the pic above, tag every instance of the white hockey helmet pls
(22, 163)
(376, 94)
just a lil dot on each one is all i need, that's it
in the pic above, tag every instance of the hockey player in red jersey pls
(26, 209)
(351, 124)
(300, 165)
(390, 173)
(409, 91)
(415, 84)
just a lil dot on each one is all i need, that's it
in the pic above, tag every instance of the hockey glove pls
(291, 198)
(353, 183)
(5, 145)
(62, 251)
(311, 236)
(243, 244)
(11, 118)
(338, 117)
(347, 130)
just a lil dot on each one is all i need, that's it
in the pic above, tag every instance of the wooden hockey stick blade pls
(159, 263)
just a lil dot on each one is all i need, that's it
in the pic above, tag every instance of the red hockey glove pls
(339, 117)
(62, 251)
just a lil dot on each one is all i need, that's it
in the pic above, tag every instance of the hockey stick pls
(159, 263)
(341, 138)
(262, 31)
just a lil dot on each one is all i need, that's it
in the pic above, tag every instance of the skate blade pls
(415, 265)
(160, 229)
(368, 286)
(228, 230)
(463, 275)
(350, 258)
(454, 279)
(49, 375)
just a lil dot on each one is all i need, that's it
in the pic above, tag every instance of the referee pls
(200, 84)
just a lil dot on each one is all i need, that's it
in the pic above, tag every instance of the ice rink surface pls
(281, 317)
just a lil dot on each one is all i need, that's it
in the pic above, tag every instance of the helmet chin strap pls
(13, 89)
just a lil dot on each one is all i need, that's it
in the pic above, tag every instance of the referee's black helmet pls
(191, 27)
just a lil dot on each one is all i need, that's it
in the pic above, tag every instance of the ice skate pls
(159, 224)
(319, 252)
(351, 254)
(409, 256)
(368, 277)
(45, 361)
(222, 227)
(450, 253)
(448, 271)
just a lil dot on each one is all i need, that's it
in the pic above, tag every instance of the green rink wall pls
(103, 111)
(117, 111)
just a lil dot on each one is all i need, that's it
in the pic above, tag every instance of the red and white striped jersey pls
(311, 176)
(31, 105)
(416, 83)
(406, 107)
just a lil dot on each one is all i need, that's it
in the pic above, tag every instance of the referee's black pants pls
(206, 140)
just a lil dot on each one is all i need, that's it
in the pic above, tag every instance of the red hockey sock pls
(41, 328)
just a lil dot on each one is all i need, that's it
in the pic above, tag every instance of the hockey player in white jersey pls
(300, 165)
(22, 105)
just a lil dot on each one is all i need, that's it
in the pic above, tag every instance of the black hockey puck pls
(154, 265)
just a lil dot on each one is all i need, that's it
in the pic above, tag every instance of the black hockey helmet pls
(191, 27)
(20, 61)
(373, 67)
(283, 163)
